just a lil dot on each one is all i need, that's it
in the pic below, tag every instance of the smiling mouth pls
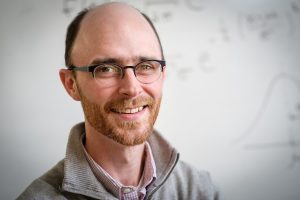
(128, 110)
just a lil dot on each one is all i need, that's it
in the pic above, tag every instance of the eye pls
(147, 68)
(107, 70)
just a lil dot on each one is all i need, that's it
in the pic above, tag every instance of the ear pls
(69, 83)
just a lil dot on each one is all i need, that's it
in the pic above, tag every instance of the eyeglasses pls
(109, 74)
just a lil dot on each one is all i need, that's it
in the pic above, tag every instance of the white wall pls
(231, 103)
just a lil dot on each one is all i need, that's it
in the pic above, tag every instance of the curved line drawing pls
(274, 82)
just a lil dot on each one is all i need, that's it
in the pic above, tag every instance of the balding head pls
(104, 24)
(111, 14)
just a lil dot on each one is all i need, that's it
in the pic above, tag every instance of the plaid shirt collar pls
(115, 187)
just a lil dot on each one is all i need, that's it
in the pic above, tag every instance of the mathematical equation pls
(264, 22)
(204, 63)
(265, 25)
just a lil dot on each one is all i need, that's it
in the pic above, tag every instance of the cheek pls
(97, 95)
(154, 90)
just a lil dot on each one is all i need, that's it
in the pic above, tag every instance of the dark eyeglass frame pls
(122, 68)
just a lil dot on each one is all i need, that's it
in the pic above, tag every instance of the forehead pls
(115, 30)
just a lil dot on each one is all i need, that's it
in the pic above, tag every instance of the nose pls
(129, 85)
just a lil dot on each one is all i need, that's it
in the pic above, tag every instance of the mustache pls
(126, 103)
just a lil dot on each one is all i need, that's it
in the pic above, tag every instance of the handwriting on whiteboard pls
(265, 25)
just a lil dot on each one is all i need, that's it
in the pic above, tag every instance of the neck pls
(123, 163)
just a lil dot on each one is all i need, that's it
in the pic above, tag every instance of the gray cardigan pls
(72, 178)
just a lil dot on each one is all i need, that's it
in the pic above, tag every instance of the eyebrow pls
(105, 60)
(116, 60)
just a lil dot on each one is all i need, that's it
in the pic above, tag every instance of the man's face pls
(125, 112)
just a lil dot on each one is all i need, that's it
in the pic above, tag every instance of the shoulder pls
(186, 172)
(191, 183)
(47, 186)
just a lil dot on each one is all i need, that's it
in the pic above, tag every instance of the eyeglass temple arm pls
(84, 69)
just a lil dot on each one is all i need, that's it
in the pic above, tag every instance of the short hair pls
(71, 35)
(74, 26)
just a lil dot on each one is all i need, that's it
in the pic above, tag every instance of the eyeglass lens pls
(110, 74)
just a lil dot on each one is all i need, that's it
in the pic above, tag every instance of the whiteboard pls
(231, 101)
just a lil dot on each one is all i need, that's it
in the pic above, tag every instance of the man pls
(116, 69)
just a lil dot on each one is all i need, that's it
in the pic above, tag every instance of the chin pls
(131, 137)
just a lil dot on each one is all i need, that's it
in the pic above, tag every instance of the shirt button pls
(127, 190)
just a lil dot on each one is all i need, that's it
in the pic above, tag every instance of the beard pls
(128, 133)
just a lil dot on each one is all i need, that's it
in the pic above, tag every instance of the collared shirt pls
(119, 190)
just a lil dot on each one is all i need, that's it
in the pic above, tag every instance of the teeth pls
(134, 110)
(130, 111)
